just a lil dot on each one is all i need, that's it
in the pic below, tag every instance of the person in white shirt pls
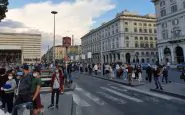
(96, 69)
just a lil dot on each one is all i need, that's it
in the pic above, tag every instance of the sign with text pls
(89, 55)
(66, 41)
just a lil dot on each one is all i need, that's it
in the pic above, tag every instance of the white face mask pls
(56, 71)
(10, 77)
(35, 75)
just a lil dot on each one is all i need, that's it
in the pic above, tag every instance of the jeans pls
(57, 92)
(157, 83)
(9, 101)
(125, 74)
(20, 100)
(166, 78)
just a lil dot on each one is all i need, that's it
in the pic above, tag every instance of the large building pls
(60, 53)
(171, 30)
(20, 48)
(129, 38)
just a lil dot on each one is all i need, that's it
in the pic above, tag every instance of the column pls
(172, 54)
(184, 51)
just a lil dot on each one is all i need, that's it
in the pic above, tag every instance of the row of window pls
(141, 45)
(142, 30)
(142, 38)
(174, 8)
(140, 24)
(145, 53)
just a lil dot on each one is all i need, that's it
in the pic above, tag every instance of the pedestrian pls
(24, 93)
(57, 87)
(9, 89)
(111, 73)
(139, 72)
(125, 72)
(36, 86)
(149, 73)
(157, 75)
(165, 74)
(3, 79)
(96, 69)
(130, 69)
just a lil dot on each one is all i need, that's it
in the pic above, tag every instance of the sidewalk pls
(65, 105)
(134, 83)
(172, 89)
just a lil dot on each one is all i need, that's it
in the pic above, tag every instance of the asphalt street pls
(94, 96)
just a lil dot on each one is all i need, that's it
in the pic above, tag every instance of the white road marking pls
(147, 92)
(122, 95)
(94, 98)
(119, 101)
(119, 89)
(78, 100)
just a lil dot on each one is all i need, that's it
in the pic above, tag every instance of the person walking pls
(96, 69)
(165, 74)
(9, 89)
(157, 74)
(130, 69)
(125, 72)
(57, 87)
(149, 73)
(139, 72)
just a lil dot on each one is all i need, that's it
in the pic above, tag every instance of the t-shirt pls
(56, 84)
(35, 83)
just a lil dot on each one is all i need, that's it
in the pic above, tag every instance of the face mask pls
(35, 75)
(10, 77)
(56, 71)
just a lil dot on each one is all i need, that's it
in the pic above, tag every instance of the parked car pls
(180, 66)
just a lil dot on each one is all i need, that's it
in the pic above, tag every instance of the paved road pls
(99, 97)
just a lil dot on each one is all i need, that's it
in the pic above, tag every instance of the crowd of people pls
(130, 72)
(22, 84)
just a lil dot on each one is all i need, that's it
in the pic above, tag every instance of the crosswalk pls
(112, 93)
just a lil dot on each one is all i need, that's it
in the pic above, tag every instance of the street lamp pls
(54, 12)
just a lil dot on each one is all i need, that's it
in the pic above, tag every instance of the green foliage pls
(3, 8)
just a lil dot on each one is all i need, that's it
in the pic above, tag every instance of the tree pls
(3, 8)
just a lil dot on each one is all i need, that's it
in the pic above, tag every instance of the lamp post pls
(54, 12)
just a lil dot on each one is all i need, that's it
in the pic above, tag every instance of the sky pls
(75, 17)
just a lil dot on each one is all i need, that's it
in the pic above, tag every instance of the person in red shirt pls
(57, 83)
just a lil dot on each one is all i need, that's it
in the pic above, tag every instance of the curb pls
(131, 85)
(168, 93)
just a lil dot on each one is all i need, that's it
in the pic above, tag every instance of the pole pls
(54, 43)
(101, 57)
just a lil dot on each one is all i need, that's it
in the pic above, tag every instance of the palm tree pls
(3, 8)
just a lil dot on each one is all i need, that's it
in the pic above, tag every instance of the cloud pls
(11, 24)
(74, 17)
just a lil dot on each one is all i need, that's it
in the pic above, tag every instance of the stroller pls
(23, 109)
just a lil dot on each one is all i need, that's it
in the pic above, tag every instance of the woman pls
(9, 89)
(57, 83)
(36, 86)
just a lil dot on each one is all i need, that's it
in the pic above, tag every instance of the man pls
(24, 93)
(149, 73)
(36, 86)
(165, 74)
(157, 74)
(57, 82)
(96, 69)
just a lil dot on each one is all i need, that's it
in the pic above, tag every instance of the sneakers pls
(51, 106)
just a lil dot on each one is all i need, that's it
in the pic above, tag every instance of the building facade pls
(60, 53)
(171, 30)
(128, 38)
(20, 47)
